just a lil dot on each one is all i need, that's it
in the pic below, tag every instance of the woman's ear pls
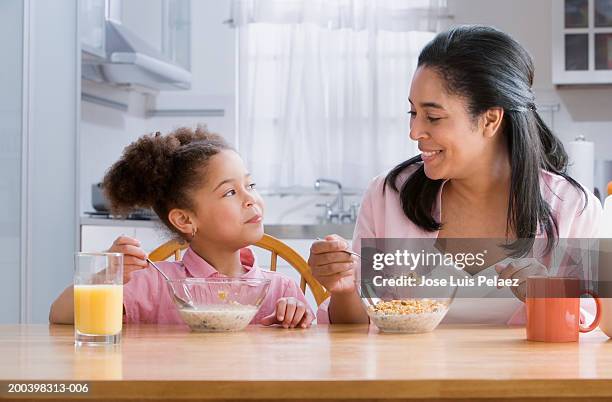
(493, 118)
(182, 220)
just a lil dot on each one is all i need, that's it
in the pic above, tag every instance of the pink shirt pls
(381, 216)
(147, 299)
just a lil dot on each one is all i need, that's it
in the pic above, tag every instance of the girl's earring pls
(193, 232)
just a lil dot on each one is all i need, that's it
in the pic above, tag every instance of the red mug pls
(553, 309)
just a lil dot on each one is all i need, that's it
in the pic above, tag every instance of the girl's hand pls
(331, 266)
(134, 257)
(290, 313)
(521, 269)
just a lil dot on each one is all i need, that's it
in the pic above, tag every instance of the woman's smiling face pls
(450, 139)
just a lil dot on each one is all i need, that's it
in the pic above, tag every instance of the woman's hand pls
(134, 257)
(521, 269)
(331, 266)
(290, 313)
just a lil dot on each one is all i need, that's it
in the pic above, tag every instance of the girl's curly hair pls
(160, 171)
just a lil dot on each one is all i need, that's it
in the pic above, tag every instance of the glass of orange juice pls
(98, 298)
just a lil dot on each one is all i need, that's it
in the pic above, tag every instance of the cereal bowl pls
(218, 304)
(400, 310)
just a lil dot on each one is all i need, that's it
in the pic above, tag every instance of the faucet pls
(339, 201)
(335, 210)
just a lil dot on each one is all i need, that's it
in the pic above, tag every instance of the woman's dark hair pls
(490, 69)
(160, 172)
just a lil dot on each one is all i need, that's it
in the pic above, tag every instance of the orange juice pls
(98, 309)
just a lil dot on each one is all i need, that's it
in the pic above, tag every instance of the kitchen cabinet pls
(176, 32)
(165, 25)
(99, 236)
(92, 20)
(582, 41)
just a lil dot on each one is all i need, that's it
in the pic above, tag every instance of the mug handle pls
(595, 322)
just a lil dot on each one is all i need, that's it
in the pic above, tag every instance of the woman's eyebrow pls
(433, 105)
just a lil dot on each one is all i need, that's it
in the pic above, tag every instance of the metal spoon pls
(179, 300)
(346, 251)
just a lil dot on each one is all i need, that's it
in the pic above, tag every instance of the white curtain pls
(323, 86)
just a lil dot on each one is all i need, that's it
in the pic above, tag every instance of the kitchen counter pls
(154, 223)
(281, 231)
(341, 362)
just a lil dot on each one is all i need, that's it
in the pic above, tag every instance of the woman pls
(489, 167)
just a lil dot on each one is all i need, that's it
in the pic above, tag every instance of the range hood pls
(130, 61)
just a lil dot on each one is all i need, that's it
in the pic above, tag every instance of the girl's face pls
(451, 141)
(228, 209)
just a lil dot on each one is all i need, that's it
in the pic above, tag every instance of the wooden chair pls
(277, 249)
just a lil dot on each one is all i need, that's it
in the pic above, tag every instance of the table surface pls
(331, 362)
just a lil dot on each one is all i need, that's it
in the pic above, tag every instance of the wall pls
(11, 41)
(104, 133)
(585, 110)
(51, 111)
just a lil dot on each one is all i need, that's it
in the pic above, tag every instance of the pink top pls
(147, 299)
(381, 216)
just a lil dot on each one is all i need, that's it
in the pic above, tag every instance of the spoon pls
(179, 300)
(345, 251)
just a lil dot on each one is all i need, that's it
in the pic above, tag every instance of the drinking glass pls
(98, 298)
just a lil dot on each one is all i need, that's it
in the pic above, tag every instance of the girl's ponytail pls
(140, 175)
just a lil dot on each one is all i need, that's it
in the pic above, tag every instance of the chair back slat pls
(303, 285)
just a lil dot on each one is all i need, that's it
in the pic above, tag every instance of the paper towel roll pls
(582, 161)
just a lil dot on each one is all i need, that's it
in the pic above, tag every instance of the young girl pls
(200, 189)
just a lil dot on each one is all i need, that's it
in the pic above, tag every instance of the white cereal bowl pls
(218, 304)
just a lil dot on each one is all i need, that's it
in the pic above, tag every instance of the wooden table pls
(341, 362)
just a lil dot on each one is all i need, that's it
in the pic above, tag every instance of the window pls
(319, 99)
